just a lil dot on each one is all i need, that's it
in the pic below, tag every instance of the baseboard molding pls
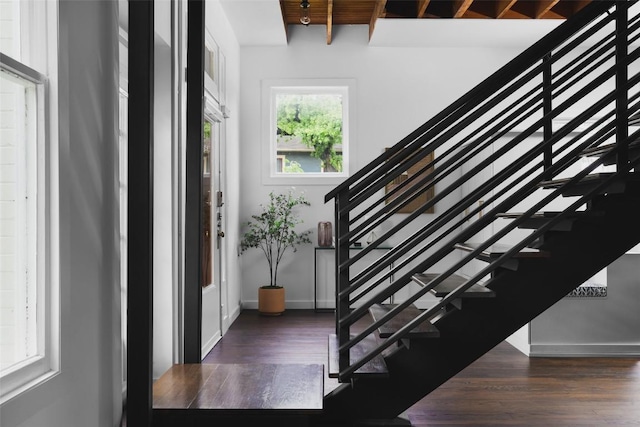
(307, 305)
(584, 350)
(206, 347)
(234, 314)
(292, 305)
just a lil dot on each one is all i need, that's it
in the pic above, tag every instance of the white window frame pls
(33, 367)
(42, 59)
(270, 89)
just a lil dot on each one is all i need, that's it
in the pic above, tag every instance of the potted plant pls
(273, 231)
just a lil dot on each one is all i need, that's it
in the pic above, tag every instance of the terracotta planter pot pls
(271, 301)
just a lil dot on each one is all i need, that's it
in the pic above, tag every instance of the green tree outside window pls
(317, 120)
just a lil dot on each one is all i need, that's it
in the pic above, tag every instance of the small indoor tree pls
(274, 230)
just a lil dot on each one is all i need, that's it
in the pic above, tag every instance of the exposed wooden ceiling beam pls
(503, 6)
(567, 9)
(329, 20)
(377, 12)
(544, 6)
(422, 7)
(460, 7)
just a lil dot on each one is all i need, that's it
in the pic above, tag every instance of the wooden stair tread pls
(551, 214)
(448, 285)
(539, 219)
(498, 249)
(540, 215)
(586, 184)
(376, 367)
(587, 179)
(594, 177)
(229, 388)
(634, 146)
(423, 330)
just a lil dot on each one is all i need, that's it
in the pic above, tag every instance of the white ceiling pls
(460, 32)
(256, 22)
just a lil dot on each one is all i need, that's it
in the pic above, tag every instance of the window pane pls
(124, 194)
(207, 221)
(10, 24)
(18, 272)
(309, 132)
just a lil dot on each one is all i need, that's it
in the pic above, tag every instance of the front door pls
(212, 229)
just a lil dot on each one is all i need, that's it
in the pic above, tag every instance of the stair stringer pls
(521, 295)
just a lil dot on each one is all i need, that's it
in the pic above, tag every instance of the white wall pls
(397, 89)
(87, 390)
(163, 198)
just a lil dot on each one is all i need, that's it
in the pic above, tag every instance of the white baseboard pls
(234, 314)
(292, 305)
(307, 305)
(584, 350)
(206, 347)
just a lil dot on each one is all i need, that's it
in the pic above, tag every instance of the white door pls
(213, 230)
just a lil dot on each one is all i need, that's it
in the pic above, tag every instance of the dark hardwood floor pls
(504, 387)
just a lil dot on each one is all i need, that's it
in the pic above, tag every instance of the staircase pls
(535, 189)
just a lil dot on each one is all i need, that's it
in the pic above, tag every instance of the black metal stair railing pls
(494, 149)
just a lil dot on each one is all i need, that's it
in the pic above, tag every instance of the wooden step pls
(586, 184)
(376, 367)
(634, 151)
(451, 283)
(424, 330)
(495, 251)
(542, 218)
(254, 388)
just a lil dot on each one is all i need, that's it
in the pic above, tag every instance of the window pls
(123, 178)
(308, 130)
(26, 328)
(211, 66)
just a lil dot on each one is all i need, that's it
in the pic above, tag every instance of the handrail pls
(510, 121)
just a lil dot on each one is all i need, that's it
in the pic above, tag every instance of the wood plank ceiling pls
(367, 12)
